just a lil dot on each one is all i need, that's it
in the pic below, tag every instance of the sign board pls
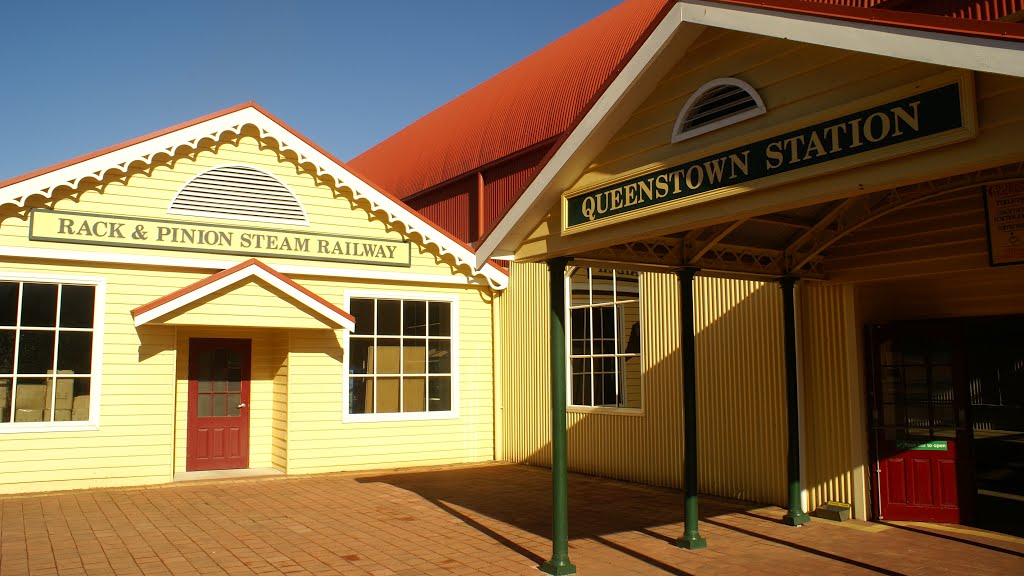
(149, 233)
(1004, 208)
(934, 445)
(925, 118)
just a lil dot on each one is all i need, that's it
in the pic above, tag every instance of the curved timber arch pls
(855, 213)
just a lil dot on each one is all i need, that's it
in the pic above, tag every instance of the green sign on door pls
(938, 445)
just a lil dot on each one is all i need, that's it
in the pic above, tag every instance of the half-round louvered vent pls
(717, 104)
(239, 193)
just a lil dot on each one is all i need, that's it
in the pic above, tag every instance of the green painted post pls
(795, 516)
(559, 564)
(691, 539)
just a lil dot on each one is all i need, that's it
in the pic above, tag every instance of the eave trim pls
(250, 268)
(946, 49)
(190, 136)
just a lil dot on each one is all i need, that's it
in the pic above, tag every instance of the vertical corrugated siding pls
(450, 208)
(525, 374)
(504, 182)
(741, 389)
(826, 395)
(969, 9)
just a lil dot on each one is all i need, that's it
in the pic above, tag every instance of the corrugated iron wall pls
(741, 390)
(826, 395)
(525, 366)
(970, 9)
(452, 208)
(504, 182)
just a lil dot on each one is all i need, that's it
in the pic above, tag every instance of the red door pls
(218, 404)
(919, 423)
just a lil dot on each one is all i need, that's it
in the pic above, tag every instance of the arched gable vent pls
(715, 105)
(239, 192)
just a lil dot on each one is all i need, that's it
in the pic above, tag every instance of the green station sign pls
(906, 119)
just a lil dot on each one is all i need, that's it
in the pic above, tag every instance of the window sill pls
(33, 427)
(399, 417)
(605, 410)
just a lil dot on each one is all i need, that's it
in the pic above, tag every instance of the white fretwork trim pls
(192, 138)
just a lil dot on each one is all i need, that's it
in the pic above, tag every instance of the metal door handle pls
(242, 405)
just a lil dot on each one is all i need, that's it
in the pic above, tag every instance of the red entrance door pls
(218, 400)
(918, 422)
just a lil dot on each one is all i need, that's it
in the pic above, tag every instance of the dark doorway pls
(947, 421)
(995, 353)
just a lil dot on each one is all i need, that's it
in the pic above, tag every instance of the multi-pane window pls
(400, 356)
(46, 351)
(604, 333)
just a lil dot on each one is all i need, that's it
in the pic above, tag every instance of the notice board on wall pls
(1004, 208)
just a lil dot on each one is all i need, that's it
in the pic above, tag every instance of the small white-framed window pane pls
(389, 392)
(74, 352)
(35, 351)
(627, 286)
(32, 398)
(39, 305)
(388, 356)
(582, 368)
(360, 397)
(440, 394)
(362, 310)
(629, 327)
(414, 356)
(439, 315)
(579, 283)
(6, 394)
(414, 394)
(580, 331)
(603, 287)
(77, 305)
(7, 338)
(414, 318)
(439, 356)
(360, 355)
(9, 292)
(604, 330)
(389, 317)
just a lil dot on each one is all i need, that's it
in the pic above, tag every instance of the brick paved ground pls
(491, 520)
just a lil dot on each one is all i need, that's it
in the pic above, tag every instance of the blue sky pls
(78, 76)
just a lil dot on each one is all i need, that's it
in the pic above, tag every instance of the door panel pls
(918, 391)
(218, 399)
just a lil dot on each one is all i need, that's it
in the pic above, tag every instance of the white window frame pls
(96, 378)
(452, 414)
(678, 136)
(582, 409)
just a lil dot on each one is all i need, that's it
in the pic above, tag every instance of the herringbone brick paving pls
(489, 519)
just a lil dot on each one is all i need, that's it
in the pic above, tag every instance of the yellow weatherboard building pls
(224, 295)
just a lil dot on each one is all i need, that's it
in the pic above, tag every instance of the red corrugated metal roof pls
(545, 94)
(533, 100)
(969, 9)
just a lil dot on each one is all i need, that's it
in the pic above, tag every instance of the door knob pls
(242, 405)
